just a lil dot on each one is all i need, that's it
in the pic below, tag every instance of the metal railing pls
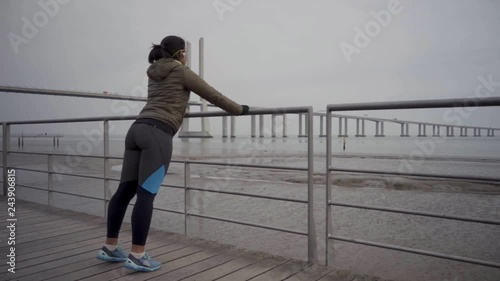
(310, 233)
(448, 103)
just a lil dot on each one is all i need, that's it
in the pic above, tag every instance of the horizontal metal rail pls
(416, 213)
(312, 248)
(58, 154)
(416, 251)
(263, 111)
(247, 165)
(28, 170)
(249, 195)
(249, 224)
(416, 104)
(473, 178)
(79, 94)
(60, 192)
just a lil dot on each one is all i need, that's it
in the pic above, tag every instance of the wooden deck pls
(56, 244)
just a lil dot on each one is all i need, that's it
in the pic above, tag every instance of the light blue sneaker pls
(143, 264)
(118, 255)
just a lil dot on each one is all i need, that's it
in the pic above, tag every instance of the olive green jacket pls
(169, 87)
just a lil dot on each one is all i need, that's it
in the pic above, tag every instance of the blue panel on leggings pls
(153, 182)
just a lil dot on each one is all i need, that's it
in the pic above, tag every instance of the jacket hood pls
(161, 68)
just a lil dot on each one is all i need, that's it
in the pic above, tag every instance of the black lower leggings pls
(148, 151)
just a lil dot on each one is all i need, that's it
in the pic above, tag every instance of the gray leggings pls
(148, 151)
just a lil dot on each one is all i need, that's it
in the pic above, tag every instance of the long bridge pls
(379, 123)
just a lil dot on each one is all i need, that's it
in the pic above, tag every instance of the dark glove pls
(245, 109)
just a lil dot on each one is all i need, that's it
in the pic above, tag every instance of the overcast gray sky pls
(258, 52)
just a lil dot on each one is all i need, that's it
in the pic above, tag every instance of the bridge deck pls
(56, 244)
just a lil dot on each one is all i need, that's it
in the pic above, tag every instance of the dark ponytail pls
(169, 46)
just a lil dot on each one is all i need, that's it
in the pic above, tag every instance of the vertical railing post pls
(5, 152)
(106, 163)
(187, 177)
(328, 179)
(50, 176)
(311, 230)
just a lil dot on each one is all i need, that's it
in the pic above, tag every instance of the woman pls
(148, 147)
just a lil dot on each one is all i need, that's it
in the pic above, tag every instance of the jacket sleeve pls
(196, 84)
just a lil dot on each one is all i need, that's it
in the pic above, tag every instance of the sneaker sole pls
(104, 257)
(132, 266)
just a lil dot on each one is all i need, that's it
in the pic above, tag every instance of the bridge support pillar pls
(405, 128)
(261, 126)
(379, 129)
(463, 132)
(224, 127)
(253, 129)
(362, 127)
(341, 127)
(284, 126)
(422, 130)
(436, 130)
(477, 132)
(273, 126)
(233, 127)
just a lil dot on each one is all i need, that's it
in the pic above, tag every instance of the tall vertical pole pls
(106, 164)
(6, 146)
(187, 177)
(50, 177)
(328, 180)
(205, 125)
(311, 230)
(185, 121)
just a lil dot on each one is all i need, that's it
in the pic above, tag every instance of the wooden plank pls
(35, 233)
(174, 263)
(55, 234)
(200, 266)
(225, 269)
(83, 236)
(312, 273)
(71, 271)
(108, 271)
(125, 274)
(57, 240)
(282, 272)
(58, 262)
(255, 269)
(339, 275)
